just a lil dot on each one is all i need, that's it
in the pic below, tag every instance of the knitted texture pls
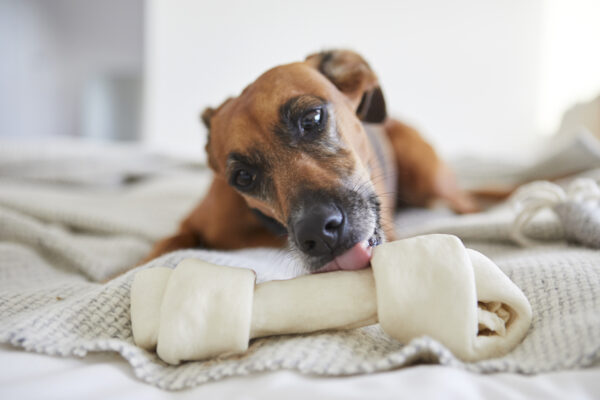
(56, 243)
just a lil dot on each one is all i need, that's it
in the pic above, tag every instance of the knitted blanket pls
(57, 243)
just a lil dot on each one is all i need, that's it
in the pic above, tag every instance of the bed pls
(73, 214)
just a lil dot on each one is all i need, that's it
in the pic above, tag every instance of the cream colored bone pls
(310, 303)
(428, 285)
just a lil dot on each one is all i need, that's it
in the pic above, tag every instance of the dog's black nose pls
(319, 229)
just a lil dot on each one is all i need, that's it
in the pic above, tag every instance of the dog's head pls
(292, 144)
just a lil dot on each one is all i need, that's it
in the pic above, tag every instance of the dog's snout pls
(320, 228)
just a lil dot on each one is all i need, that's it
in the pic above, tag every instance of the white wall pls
(51, 50)
(465, 72)
(30, 71)
(475, 76)
(570, 59)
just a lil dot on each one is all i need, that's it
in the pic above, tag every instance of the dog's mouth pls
(354, 258)
(357, 257)
(352, 240)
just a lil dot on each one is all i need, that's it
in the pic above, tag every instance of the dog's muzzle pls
(334, 234)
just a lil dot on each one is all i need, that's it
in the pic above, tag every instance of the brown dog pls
(306, 155)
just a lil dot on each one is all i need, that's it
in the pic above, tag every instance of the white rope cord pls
(584, 190)
(529, 200)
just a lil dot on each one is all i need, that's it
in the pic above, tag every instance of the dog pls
(307, 156)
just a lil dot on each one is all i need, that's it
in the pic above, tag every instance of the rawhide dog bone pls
(429, 285)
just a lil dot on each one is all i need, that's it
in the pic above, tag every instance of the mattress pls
(25, 375)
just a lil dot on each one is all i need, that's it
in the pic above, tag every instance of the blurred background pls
(488, 78)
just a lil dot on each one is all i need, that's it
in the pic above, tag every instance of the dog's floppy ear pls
(209, 112)
(207, 115)
(353, 76)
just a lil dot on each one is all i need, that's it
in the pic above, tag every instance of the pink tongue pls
(357, 257)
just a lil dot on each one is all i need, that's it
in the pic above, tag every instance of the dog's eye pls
(244, 179)
(312, 121)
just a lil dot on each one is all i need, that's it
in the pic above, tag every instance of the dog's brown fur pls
(225, 220)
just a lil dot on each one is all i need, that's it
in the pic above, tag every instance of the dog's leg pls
(221, 221)
(422, 177)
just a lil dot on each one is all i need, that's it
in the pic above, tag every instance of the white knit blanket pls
(58, 242)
